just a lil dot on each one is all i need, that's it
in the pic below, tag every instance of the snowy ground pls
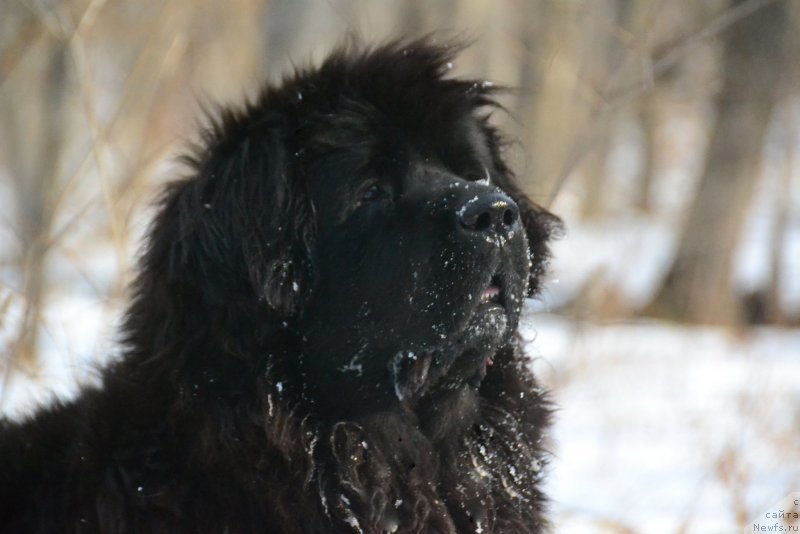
(668, 429)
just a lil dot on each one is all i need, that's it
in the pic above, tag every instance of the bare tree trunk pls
(282, 20)
(556, 108)
(774, 312)
(412, 17)
(648, 118)
(599, 68)
(594, 164)
(698, 285)
(524, 104)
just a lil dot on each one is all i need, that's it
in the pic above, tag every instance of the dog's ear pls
(540, 227)
(243, 221)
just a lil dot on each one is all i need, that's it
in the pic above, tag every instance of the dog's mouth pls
(493, 294)
(414, 373)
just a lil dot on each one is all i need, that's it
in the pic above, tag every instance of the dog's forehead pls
(371, 141)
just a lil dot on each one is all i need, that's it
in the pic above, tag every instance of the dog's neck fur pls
(345, 463)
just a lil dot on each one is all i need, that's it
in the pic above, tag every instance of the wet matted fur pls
(322, 334)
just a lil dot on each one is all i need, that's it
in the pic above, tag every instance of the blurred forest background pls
(665, 133)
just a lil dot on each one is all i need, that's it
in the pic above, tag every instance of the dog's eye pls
(372, 193)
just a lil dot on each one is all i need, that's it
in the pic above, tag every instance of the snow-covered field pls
(668, 429)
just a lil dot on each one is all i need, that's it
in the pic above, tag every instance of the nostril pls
(508, 217)
(482, 223)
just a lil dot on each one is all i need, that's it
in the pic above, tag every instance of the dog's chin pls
(487, 331)
(489, 325)
(493, 315)
(465, 358)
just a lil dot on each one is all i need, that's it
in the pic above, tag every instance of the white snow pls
(665, 429)
(77, 339)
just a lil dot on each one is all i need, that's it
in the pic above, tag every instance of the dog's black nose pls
(493, 213)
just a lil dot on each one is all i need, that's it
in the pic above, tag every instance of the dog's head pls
(365, 206)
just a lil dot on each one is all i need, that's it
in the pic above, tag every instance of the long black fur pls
(302, 354)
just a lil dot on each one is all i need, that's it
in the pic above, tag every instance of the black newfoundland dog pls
(321, 337)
